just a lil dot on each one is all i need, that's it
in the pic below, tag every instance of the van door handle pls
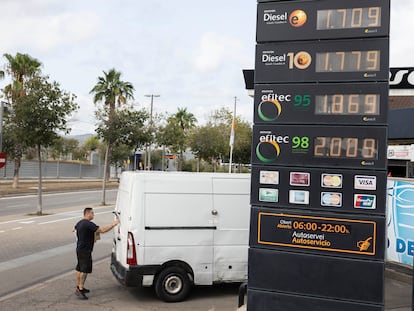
(214, 212)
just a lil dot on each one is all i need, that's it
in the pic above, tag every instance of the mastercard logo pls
(269, 110)
(267, 151)
(302, 60)
(298, 18)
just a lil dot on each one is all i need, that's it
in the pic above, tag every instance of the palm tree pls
(111, 90)
(185, 121)
(21, 68)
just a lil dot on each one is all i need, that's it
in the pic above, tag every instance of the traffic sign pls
(3, 159)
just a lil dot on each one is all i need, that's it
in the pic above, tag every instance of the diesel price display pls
(319, 146)
(323, 19)
(313, 61)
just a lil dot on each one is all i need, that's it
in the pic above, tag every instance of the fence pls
(53, 169)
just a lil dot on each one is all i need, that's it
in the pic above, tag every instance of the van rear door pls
(231, 201)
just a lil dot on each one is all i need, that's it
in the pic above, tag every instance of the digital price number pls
(343, 147)
(351, 147)
(343, 60)
(348, 18)
(353, 61)
(330, 103)
(347, 104)
(324, 19)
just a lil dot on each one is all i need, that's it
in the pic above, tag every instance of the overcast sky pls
(190, 52)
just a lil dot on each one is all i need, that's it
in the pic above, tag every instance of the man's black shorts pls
(84, 262)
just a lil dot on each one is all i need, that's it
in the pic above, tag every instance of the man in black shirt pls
(86, 231)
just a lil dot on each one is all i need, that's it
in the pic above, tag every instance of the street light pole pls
(149, 146)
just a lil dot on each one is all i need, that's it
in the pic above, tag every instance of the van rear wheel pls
(172, 284)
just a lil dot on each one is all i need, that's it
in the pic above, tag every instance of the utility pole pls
(149, 146)
(232, 134)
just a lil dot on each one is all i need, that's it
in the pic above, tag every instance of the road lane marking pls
(54, 194)
(27, 222)
(2, 231)
(54, 215)
(63, 219)
(17, 228)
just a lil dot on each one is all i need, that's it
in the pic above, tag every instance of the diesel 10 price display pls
(347, 147)
(336, 61)
(330, 103)
(322, 19)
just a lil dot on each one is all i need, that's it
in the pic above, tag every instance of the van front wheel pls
(172, 284)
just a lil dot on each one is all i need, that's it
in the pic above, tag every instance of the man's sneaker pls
(81, 294)
(85, 290)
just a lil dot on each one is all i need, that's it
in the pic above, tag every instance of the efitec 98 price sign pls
(314, 61)
(323, 19)
(341, 146)
(328, 103)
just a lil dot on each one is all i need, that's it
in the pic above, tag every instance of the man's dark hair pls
(87, 210)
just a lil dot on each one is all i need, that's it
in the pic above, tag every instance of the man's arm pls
(108, 228)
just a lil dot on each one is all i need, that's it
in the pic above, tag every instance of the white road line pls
(53, 215)
(27, 222)
(63, 219)
(2, 231)
(17, 228)
(54, 194)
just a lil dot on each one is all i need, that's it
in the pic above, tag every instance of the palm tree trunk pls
(39, 185)
(17, 163)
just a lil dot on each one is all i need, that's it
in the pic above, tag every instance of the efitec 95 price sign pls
(323, 19)
(328, 103)
(347, 147)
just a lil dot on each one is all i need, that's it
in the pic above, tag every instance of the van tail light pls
(131, 250)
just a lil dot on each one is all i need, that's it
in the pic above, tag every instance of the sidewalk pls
(30, 186)
(108, 294)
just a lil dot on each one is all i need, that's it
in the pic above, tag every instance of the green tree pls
(42, 114)
(63, 146)
(175, 134)
(21, 68)
(110, 90)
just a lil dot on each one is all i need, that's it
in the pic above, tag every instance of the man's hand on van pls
(108, 228)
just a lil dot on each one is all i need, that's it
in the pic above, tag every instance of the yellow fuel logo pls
(364, 245)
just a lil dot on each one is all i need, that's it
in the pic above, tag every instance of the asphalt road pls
(35, 249)
(53, 201)
(38, 258)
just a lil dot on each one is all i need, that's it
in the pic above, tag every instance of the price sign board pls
(327, 103)
(317, 146)
(323, 19)
(317, 61)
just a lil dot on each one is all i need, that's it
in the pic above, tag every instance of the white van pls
(181, 229)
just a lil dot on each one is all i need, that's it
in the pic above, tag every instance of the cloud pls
(213, 50)
(25, 29)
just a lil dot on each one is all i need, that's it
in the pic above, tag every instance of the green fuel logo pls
(269, 110)
(268, 148)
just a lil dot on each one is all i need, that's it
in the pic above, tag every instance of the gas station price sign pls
(328, 103)
(323, 19)
(317, 146)
(323, 61)
(353, 236)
